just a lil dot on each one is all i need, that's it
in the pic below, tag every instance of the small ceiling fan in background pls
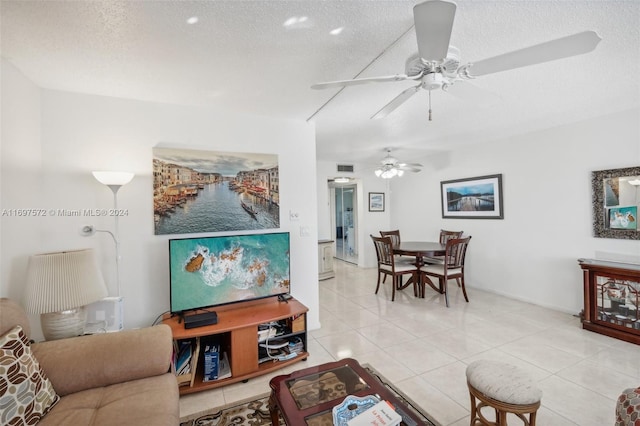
(391, 167)
(437, 64)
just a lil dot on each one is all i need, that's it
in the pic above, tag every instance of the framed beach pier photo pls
(472, 198)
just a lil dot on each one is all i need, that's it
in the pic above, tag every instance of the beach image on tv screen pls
(217, 270)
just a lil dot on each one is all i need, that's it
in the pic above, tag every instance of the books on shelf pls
(184, 360)
(216, 361)
(224, 368)
(381, 414)
(211, 356)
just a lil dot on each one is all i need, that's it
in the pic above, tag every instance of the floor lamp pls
(114, 180)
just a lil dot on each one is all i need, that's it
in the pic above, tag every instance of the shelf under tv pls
(238, 327)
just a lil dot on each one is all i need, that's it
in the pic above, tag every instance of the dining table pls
(420, 249)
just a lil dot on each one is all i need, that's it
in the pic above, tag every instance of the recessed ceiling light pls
(192, 20)
(290, 21)
(336, 31)
(295, 20)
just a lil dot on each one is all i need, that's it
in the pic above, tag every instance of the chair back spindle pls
(456, 251)
(449, 235)
(384, 250)
(394, 235)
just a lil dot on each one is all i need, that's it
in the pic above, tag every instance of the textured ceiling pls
(240, 56)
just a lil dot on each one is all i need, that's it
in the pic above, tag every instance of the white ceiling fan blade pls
(410, 169)
(572, 45)
(396, 102)
(413, 167)
(434, 23)
(470, 93)
(354, 82)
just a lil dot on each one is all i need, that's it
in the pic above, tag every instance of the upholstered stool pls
(628, 408)
(503, 387)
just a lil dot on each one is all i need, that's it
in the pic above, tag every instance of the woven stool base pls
(501, 409)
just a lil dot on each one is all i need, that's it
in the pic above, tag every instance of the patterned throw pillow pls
(26, 394)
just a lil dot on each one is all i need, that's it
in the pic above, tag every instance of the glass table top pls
(315, 389)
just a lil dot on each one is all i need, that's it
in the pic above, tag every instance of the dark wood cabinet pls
(611, 299)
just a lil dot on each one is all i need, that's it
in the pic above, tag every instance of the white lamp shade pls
(62, 281)
(113, 178)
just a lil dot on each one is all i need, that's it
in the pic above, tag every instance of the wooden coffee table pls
(307, 397)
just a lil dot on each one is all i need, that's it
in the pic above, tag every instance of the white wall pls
(81, 133)
(531, 254)
(20, 179)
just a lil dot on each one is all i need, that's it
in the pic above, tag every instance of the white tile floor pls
(424, 347)
(343, 253)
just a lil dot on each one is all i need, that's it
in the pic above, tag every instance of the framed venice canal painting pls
(197, 191)
(472, 198)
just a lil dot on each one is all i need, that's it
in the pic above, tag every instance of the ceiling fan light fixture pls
(387, 173)
(432, 81)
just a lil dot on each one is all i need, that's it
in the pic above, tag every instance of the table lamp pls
(58, 287)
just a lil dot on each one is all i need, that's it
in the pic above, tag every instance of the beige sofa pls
(105, 379)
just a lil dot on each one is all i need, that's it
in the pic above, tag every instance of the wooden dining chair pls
(395, 241)
(444, 237)
(387, 265)
(394, 235)
(451, 268)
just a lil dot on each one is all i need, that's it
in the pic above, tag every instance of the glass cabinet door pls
(617, 301)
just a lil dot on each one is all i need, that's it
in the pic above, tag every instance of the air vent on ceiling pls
(345, 168)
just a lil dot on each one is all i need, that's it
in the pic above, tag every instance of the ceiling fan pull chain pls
(430, 105)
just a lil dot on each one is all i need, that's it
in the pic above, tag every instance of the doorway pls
(344, 222)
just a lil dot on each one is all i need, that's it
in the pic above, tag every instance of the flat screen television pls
(212, 271)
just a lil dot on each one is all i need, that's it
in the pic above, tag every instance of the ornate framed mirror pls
(616, 202)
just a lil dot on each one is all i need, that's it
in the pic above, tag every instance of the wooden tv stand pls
(237, 330)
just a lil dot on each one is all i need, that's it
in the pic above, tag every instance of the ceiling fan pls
(437, 64)
(391, 167)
